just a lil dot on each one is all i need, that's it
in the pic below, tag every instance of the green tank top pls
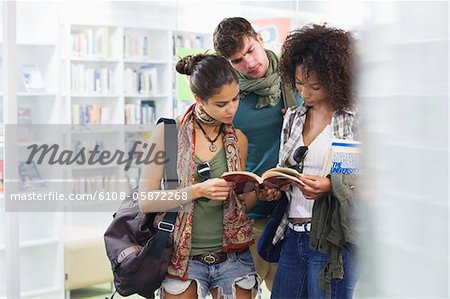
(207, 223)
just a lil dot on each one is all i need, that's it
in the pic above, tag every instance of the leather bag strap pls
(166, 226)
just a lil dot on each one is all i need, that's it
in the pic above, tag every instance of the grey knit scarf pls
(267, 88)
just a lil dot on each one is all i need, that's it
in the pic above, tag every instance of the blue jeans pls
(299, 267)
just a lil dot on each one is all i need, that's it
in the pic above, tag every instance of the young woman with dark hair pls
(212, 232)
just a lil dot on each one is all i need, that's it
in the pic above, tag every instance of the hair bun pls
(185, 66)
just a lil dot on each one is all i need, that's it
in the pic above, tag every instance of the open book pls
(344, 157)
(273, 178)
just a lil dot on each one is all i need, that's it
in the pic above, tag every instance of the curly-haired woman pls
(315, 260)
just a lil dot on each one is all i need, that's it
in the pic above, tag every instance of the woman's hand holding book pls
(315, 186)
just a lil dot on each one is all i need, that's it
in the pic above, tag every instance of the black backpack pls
(138, 252)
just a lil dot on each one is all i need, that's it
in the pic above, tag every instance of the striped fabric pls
(318, 151)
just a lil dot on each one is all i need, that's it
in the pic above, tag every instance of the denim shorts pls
(237, 269)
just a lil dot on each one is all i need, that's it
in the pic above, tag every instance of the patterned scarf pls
(237, 227)
(267, 88)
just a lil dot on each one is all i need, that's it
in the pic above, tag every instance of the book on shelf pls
(273, 178)
(24, 120)
(32, 78)
(90, 42)
(132, 114)
(143, 81)
(90, 80)
(143, 113)
(24, 116)
(136, 47)
(130, 81)
(30, 178)
(148, 80)
(88, 114)
(148, 112)
(344, 157)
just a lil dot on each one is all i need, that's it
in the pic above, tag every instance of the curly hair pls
(327, 51)
(228, 37)
(208, 73)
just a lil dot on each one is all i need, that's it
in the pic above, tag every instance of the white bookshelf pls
(39, 236)
(44, 57)
(137, 49)
(90, 53)
(129, 49)
(146, 54)
(40, 247)
(90, 73)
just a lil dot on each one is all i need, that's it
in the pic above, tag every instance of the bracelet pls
(179, 192)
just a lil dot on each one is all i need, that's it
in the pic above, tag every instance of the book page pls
(285, 170)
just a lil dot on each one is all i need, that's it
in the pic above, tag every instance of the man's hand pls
(268, 194)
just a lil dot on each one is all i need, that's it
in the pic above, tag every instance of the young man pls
(260, 113)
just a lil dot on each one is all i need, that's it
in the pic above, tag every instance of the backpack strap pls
(171, 149)
(167, 225)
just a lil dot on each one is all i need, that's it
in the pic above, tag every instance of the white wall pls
(404, 97)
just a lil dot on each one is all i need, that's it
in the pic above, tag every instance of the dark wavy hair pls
(327, 51)
(208, 73)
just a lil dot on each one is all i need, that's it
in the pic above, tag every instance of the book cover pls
(273, 178)
(32, 78)
(30, 177)
(344, 157)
